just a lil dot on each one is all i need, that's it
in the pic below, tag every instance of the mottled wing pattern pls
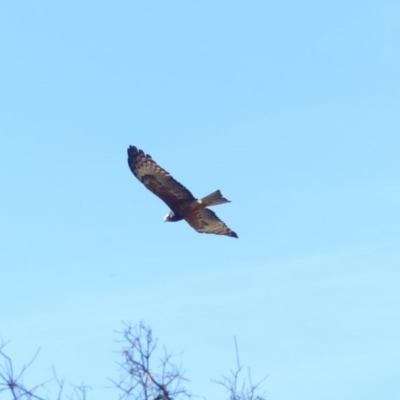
(206, 221)
(156, 179)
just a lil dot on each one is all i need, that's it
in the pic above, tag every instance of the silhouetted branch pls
(13, 382)
(139, 379)
(144, 376)
(241, 388)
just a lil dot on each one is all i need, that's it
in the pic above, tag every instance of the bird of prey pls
(182, 203)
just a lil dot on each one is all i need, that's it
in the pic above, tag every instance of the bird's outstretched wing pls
(157, 179)
(206, 221)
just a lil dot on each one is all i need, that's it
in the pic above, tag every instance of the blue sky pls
(290, 108)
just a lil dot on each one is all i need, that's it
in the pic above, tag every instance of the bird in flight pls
(182, 203)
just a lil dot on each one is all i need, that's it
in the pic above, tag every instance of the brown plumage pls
(182, 203)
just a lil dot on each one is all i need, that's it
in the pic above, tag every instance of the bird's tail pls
(213, 199)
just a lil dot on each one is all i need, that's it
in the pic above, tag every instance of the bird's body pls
(180, 200)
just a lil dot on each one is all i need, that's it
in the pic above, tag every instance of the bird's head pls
(172, 217)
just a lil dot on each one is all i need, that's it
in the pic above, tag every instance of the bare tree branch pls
(13, 382)
(144, 375)
(139, 379)
(240, 388)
